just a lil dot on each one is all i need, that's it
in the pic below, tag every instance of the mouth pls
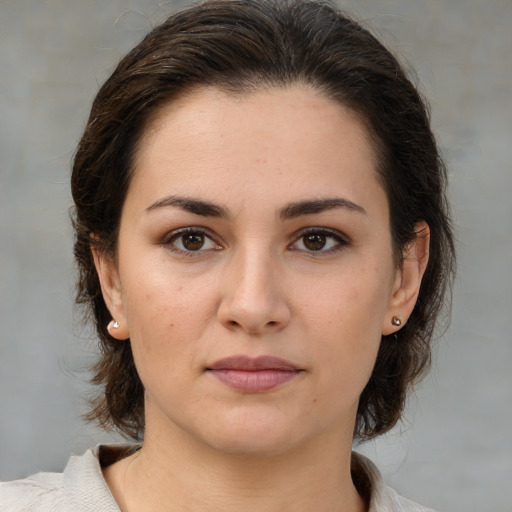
(254, 375)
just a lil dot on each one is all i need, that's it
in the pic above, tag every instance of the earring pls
(113, 324)
(396, 321)
(117, 330)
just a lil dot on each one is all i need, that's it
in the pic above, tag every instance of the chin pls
(251, 434)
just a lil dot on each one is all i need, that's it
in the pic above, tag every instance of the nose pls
(252, 299)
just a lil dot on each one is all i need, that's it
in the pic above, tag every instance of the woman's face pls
(255, 274)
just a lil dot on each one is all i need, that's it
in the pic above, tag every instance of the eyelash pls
(341, 241)
(172, 237)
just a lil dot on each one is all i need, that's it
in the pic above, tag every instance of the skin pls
(255, 287)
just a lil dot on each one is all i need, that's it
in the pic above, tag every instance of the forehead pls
(294, 138)
(298, 108)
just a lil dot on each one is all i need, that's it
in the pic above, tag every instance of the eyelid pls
(171, 236)
(341, 239)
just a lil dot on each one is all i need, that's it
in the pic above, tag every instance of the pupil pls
(193, 242)
(314, 242)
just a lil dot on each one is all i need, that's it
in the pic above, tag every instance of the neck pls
(176, 472)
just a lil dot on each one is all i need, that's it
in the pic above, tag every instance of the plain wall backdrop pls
(454, 452)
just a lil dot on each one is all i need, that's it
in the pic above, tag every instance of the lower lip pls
(254, 381)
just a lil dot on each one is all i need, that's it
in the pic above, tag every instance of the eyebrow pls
(294, 210)
(290, 211)
(189, 204)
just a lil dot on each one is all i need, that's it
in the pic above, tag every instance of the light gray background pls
(455, 452)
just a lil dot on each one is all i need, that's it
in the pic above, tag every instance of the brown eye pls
(320, 240)
(192, 241)
(314, 242)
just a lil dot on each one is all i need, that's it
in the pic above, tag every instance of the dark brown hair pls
(239, 46)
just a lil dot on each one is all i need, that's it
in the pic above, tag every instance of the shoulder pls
(381, 497)
(38, 493)
(397, 503)
(80, 488)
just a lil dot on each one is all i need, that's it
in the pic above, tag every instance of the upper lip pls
(253, 363)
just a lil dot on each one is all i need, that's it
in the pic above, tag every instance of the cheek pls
(166, 317)
(345, 319)
(349, 303)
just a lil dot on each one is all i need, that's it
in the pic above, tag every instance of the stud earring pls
(118, 331)
(113, 324)
(396, 321)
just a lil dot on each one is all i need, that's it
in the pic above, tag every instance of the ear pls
(112, 294)
(408, 280)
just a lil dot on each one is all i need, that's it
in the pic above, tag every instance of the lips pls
(254, 375)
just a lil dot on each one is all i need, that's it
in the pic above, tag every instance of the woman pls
(264, 244)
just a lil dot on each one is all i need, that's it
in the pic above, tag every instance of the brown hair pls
(239, 46)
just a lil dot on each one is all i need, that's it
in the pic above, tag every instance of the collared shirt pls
(82, 488)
